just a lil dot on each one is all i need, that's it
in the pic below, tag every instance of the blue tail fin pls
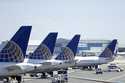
(69, 52)
(22, 37)
(110, 50)
(46, 48)
(15, 49)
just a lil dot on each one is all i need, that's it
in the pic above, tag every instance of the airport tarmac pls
(80, 76)
(86, 76)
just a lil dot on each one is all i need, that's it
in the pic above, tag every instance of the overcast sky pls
(93, 19)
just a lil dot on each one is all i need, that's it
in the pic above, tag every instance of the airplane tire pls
(19, 79)
(43, 75)
(6, 80)
(51, 74)
(90, 68)
(96, 66)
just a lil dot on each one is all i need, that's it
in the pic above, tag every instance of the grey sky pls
(93, 19)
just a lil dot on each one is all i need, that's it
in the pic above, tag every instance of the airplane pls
(44, 51)
(12, 52)
(41, 54)
(28, 64)
(64, 60)
(108, 55)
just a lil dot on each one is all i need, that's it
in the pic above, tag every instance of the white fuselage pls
(53, 65)
(91, 61)
(10, 69)
(58, 64)
(4, 68)
(31, 65)
(50, 65)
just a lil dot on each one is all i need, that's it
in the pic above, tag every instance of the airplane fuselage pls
(50, 65)
(10, 69)
(91, 61)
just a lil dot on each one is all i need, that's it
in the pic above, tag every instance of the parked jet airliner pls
(13, 51)
(64, 60)
(41, 54)
(105, 57)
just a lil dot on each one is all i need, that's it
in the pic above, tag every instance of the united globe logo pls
(42, 52)
(11, 53)
(107, 53)
(68, 54)
(45, 52)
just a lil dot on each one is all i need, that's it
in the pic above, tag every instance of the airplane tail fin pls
(46, 48)
(111, 50)
(15, 49)
(69, 52)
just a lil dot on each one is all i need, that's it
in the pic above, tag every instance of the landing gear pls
(90, 67)
(50, 73)
(34, 75)
(93, 67)
(84, 67)
(87, 68)
(43, 75)
(96, 66)
(6, 80)
(66, 76)
(19, 79)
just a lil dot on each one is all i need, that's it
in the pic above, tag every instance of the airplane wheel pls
(90, 68)
(96, 66)
(19, 79)
(66, 76)
(13, 77)
(6, 80)
(51, 74)
(84, 67)
(43, 75)
(31, 75)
